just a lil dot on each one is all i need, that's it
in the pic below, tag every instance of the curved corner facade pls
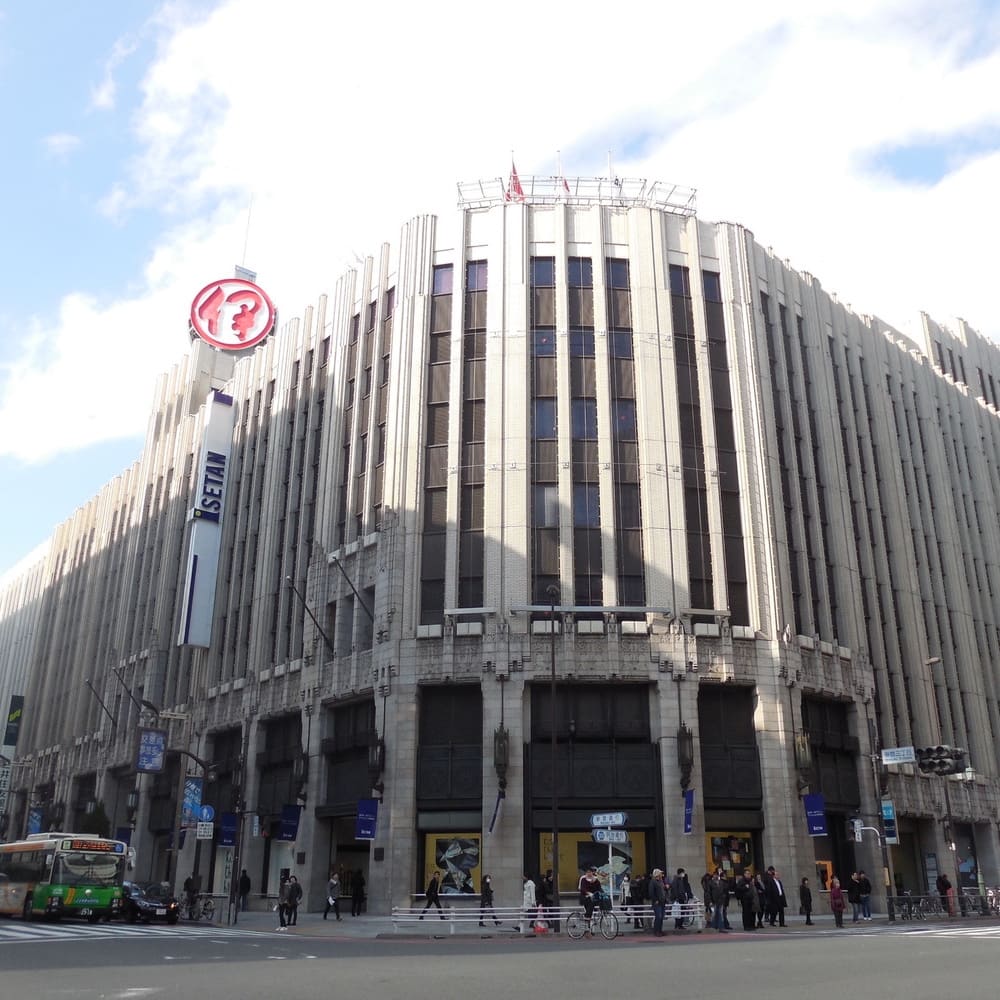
(588, 445)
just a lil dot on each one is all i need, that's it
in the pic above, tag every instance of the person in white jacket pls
(529, 905)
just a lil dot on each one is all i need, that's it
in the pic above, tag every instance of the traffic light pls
(941, 760)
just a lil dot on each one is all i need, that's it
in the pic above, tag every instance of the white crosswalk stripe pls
(945, 931)
(19, 931)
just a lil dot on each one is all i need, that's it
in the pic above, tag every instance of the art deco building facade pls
(584, 435)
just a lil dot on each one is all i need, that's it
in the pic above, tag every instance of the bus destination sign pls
(93, 845)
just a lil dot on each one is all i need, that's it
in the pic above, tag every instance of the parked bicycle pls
(200, 907)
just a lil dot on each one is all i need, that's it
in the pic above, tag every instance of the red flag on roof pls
(514, 190)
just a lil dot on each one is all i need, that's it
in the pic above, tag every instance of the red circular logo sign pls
(232, 314)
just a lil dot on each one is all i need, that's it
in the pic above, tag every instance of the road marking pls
(18, 931)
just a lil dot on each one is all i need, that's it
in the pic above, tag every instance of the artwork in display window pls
(578, 851)
(456, 856)
(732, 852)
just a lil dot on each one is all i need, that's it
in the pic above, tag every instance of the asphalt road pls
(931, 964)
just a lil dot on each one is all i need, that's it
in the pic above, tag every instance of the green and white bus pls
(57, 875)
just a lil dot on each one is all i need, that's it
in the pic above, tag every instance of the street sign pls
(899, 755)
(205, 831)
(610, 836)
(608, 819)
(858, 826)
(206, 814)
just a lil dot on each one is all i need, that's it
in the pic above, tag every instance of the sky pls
(148, 147)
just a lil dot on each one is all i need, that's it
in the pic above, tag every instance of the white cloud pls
(343, 121)
(104, 94)
(60, 143)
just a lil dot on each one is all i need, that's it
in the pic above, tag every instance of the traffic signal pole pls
(873, 743)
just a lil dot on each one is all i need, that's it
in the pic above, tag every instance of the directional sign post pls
(603, 833)
(609, 819)
(610, 836)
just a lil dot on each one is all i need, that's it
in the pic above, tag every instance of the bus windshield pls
(87, 868)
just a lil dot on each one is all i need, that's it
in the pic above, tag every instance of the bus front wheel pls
(26, 909)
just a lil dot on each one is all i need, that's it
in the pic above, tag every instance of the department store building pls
(575, 440)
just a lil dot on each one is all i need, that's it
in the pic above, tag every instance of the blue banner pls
(192, 801)
(364, 826)
(34, 821)
(688, 809)
(227, 830)
(815, 806)
(289, 826)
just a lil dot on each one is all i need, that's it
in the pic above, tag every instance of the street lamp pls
(552, 593)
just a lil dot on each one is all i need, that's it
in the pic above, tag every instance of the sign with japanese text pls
(152, 750)
(688, 810)
(192, 801)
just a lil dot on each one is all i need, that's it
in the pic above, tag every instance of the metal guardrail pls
(510, 917)
(931, 907)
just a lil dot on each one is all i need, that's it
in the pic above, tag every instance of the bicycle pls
(200, 907)
(930, 906)
(602, 922)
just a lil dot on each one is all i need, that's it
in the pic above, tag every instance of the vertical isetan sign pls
(198, 608)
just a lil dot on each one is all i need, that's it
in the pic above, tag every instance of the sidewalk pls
(368, 926)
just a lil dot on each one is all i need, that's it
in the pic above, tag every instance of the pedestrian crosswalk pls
(12, 931)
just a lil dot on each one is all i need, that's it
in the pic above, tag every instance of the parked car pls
(150, 902)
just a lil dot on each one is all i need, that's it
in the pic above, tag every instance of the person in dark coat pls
(486, 901)
(806, 900)
(718, 890)
(746, 893)
(680, 892)
(774, 897)
(357, 893)
(657, 893)
(432, 895)
(293, 900)
(854, 897)
(244, 888)
(758, 883)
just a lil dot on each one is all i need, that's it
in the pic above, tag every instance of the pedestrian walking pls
(357, 893)
(837, 902)
(725, 909)
(294, 898)
(486, 901)
(805, 900)
(432, 894)
(943, 888)
(865, 889)
(244, 889)
(657, 893)
(529, 905)
(282, 906)
(332, 896)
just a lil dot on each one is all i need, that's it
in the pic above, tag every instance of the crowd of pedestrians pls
(761, 898)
